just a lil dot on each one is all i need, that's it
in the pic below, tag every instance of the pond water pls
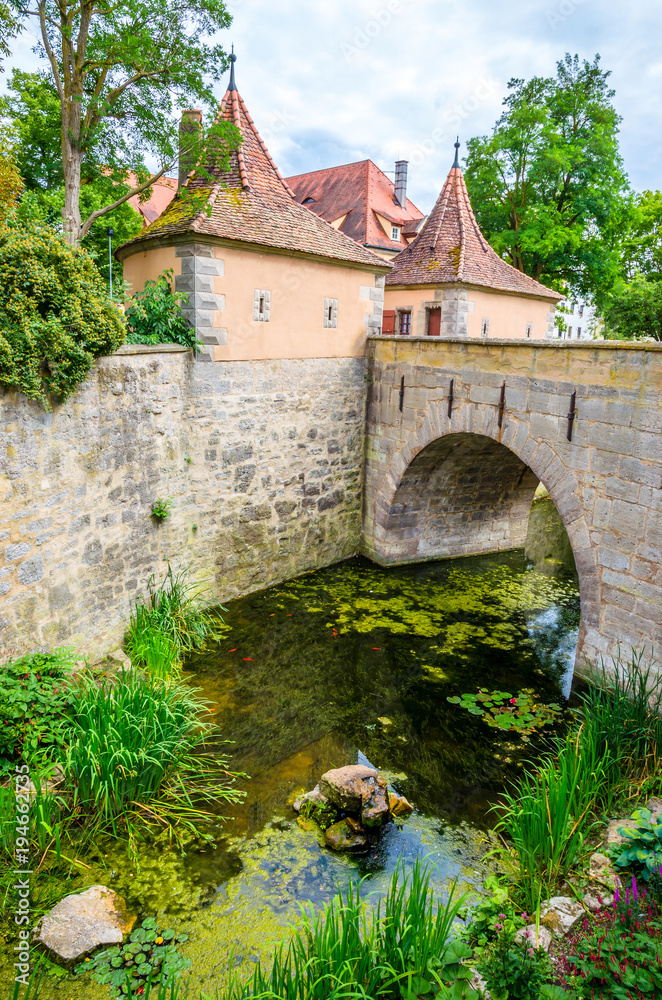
(355, 664)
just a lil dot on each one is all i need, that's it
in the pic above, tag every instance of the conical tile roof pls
(251, 203)
(450, 249)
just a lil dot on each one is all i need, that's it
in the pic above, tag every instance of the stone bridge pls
(460, 432)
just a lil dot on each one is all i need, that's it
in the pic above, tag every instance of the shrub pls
(402, 949)
(176, 610)
(162, 508)
(55, 315)
(514, 970)
(617, 955)
(155, 315)
(36, 697)
(641, 849)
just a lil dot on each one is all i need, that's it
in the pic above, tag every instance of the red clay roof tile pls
(450, 249)
(250, 202)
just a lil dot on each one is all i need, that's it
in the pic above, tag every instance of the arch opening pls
(464, 494)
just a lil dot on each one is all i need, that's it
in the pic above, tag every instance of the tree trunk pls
(71, 162)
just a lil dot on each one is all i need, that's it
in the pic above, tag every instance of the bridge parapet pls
(439, 485)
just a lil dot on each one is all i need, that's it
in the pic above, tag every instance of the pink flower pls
(513, 701)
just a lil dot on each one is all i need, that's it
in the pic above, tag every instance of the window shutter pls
(334, 317)
(267, 306)
(256, 304)
(388, 322)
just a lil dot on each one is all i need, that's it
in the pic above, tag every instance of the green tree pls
(633, 311)
(641, 245)
(120, 72)
(32, 107)
(548, 185)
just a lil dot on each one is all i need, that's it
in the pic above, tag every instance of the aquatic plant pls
(547, 815)
(138, 749)
(148, 959)
(176, 610)
(400, 949)
(502, 710)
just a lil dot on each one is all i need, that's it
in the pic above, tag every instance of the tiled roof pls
(451, 249)
(163, 191)
(251, 203)
(361, 191)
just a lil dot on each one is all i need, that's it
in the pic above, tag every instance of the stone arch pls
(485, 511)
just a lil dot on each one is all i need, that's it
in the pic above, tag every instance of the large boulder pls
(357, 789)
(80, 923)
(346, 836)
(561, 914)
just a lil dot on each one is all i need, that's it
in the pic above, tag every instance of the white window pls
(529, 329)
(485, 328)
(330, 313)
(395, 233)
(261, 305)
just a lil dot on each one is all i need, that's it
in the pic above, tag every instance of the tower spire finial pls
(232, 85)
(456, 162)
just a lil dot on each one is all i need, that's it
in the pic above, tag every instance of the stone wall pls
(606, 482)
(262, 459)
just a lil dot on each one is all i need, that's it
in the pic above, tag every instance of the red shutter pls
(388, 323)
(434, 322)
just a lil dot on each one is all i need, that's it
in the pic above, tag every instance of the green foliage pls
(176, 610)
(32, 106)
(641, 850)
(148, 958)
(617, 955)
(514, 970)
(492, 913)
(547, 815)
(155, 316)
(634, 311)
(162, 508)
(641, 243)
(36, 696)
(501, 710)
(156, 652)
(324, 814)
(621, 718)
(398, 951)
(548, 185)
(55, 315)
(119, 105)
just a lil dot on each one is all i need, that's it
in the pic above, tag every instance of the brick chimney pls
(191, 122)
(401, 182)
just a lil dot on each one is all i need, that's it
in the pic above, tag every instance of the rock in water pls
(344, 836)
(80, 923)
(399, 805)
(315, 797)
(357, 789)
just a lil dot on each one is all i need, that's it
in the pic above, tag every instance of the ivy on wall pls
(55, 315)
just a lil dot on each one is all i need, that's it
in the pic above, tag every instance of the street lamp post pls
(111, 233)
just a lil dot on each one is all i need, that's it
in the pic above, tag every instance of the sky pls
(334, 81)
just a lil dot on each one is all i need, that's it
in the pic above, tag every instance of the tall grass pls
(139, 748)
(172, 622)
(615, 743)
(621, 713)
(548, 814)
(348, 950)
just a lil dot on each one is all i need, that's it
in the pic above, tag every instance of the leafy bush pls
(36, 697)
(513, 970)
(148, 958)
(642, 846)
(634, 311)
(401, 949)
(617, 955)
(490, 915)
(55, 315)
(162, 508)
(155, 315)
(176, 610)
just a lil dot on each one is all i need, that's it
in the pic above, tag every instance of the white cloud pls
(329, 81)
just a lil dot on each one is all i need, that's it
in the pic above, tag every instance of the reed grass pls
(350, 950)
(139, 749)
(171, 623)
